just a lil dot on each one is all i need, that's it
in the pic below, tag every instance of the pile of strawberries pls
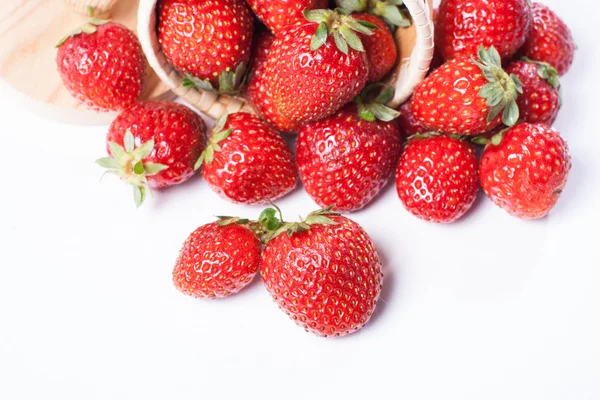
(320, 73)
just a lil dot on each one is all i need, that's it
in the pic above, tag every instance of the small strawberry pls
(280, 14)
(463, 26)
(315, 69)
(247, 161)
(393, 12)
(102, 64)
(217, 260)
(259, 94)
(208, 40)
(324, 272)
(380, 47)
(525, 169)
(468, 96)
(346, 159)
(409, 124)
(437, 177)
(540, 100)
(154, 144)
(550, 40)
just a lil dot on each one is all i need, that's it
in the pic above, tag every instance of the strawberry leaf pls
(320, 37)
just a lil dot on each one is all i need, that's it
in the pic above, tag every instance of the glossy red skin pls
(217, 261)
(205, 37)
(310, 85)
(345, 161)
(327, 279)
(255, 165)
(539, 102)
(408, 123)
(179, 135)
(550, 40)
(448, 100)
(380, 47)
(437, 179)
(259, 94)
(464, 25)
(280, 14)
(527, 172)
(104, 70)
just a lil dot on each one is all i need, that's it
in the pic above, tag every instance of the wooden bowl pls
(415, 45)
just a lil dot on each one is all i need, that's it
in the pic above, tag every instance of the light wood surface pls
(29, 31)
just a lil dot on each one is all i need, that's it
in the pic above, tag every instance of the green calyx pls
(502, 89)
(217, 135)
(89, 27)
(127, 163)
(546, 71)
(372, 103)
(229, 81)
(495, 140)
(342, 27)
(392, 12)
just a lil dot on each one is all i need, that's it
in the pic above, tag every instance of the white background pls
(488, 308)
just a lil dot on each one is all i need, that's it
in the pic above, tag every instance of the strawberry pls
(316, 68)
(280, 14)
(102, 65)
(540, 100)
(324, 273)
(467, 96)
(525, 169)
(437, 177)
(409, 125)
(207, 40)
(259, 94)
(217, 260)
(346, 159)
(463, 26)
(380, 47)
(154, 144)
(247, 161)
(550, 40)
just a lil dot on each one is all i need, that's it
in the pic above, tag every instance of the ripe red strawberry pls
(325, 274)
(247, 161)
(346, 159)
(525, 170)
(550, 40)
(380, 47)
(217, 260)
(154, 144)
(408, 123)
(467, 96)
(102, 64)
(540, 100)
(463, 26)
(311, 74)
(259, 94)
(437, 178)
(280, 14)
(208, 40)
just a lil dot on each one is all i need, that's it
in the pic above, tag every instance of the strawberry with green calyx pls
(392, 11)
(280, 14)
(380, 47)
(247, 161)
(372, 103)
(468, 96)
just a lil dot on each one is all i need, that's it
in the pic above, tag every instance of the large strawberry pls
(324, 272)
(462, 26)
(346, 159)
(102, 64)
(280, 14)
(208, 40)
(550, 40)
(380, 47)
(316, 68)
(436, 178)
(466, 96)
(154, 144)
(260, 94)
(217, 260)
(247, 161)
(540, 100)
(525, 169)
